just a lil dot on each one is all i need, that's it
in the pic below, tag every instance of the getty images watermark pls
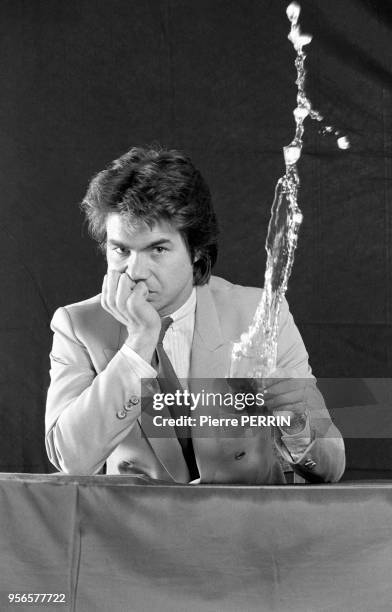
(210, 409)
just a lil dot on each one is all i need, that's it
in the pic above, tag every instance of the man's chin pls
(162, 309)
(154, 300)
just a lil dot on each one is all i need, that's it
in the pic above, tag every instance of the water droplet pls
(300, 112)
(294, 34)
(293, 10)
(343, 142)
(303, 40)
(298, 217)
(291, 154)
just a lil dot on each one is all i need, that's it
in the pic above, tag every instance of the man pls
(151, 212)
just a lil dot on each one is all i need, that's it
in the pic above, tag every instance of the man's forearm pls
(88, 415)
(317, 454)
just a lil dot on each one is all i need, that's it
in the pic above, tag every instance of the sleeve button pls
(121, 414)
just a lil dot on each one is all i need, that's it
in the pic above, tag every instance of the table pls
(115, 543)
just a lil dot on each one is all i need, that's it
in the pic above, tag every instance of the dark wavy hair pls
(150, 184)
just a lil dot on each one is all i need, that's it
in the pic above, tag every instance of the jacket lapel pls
(210, 350)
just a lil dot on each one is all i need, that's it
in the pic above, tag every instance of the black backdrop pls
(83, 80)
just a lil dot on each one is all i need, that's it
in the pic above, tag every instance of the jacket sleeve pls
(88, 414)
(323, 460)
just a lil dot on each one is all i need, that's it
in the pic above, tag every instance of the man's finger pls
(113, 277)
(107, 300)
(103, 292)
(136, 302)
(124, 290)
(141, 290)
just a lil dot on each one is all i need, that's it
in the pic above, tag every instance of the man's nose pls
(137, 267)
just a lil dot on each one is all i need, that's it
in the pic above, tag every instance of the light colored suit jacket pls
(92, 379)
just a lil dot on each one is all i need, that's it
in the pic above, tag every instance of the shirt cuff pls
(139, 365)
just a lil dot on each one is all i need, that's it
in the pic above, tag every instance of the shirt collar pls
(186, 310)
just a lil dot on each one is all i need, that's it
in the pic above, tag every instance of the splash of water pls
(254, 356)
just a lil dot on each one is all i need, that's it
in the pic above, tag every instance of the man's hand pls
(127, 302)
(285, 394)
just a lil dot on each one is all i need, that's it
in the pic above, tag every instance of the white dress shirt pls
(179, 336)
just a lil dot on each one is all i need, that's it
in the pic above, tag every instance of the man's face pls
(157, 256)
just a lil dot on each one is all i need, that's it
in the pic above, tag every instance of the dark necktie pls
(169, 383)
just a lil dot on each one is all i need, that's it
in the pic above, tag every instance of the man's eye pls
(159, 249)
(121, 251)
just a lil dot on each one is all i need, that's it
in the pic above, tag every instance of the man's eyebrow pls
(158, 242)
(117, 243)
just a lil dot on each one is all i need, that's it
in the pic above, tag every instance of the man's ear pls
(196, 256)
